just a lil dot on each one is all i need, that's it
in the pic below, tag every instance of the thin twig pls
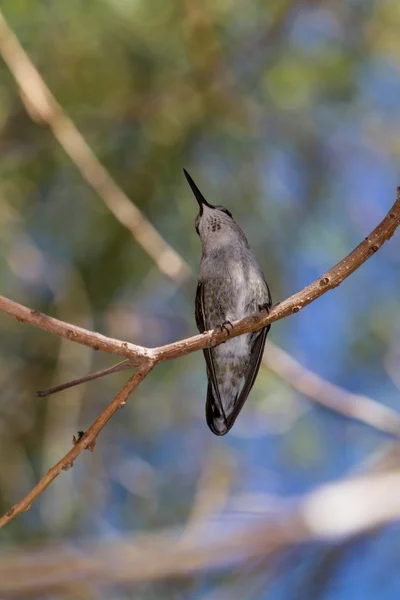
(86, 441)
(43, 107)
(355, 406)
(121, 366)
(333, 397)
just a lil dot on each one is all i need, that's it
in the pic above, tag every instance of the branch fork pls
(146, 358)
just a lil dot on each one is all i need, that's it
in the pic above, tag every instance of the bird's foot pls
(266, 306)
(225, 326)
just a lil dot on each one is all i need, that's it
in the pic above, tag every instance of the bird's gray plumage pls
(231, 286)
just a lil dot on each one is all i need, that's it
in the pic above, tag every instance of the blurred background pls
(285, 112)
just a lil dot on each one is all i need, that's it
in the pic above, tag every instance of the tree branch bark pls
(42, 107)
(85, 442)
(303, 380)
(97, 341)
(291, 305)
(328, 281)
(147, 357)
(331, 396)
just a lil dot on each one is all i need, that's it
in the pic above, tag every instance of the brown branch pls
(291, 305)
(42, 106)
(306, 382)
(94, 340)
(295, 303)
(85, 442)
(325, 393)
(150, 357)
(121, 366)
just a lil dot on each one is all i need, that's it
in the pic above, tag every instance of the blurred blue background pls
(288, 114)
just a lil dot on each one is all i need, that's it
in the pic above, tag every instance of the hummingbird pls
(231, 285)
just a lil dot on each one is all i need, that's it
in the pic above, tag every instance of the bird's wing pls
(213, 394)
(199, 308)
(257, 343)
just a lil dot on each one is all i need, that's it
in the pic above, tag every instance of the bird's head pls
(214, 224)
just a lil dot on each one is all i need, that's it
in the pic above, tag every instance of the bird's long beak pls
(199, 196)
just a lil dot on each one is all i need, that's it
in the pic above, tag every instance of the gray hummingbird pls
(231, 286)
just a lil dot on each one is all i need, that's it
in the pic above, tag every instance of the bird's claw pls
(225, 326)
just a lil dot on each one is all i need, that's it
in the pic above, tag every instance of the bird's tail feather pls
(219, 423)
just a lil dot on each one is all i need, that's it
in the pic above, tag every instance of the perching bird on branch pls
(231, 286)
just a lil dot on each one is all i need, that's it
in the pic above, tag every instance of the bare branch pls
(355, 406)
(94, 340)
(43, 107)
(291, 305)
(150, 357)
(85, 442)
(121, 366)
(295, 303)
